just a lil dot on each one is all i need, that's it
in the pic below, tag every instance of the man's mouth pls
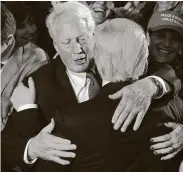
(163, 51)
(80, 61)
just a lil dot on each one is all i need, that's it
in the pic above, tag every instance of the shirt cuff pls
(26, 155)
(164, 84)
(27, 106)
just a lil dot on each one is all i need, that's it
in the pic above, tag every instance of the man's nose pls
(76, 47)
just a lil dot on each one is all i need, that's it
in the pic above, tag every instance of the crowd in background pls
(101, 11)
(33, 47)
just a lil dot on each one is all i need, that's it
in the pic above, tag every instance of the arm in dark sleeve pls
(20, 127)
(167, 73)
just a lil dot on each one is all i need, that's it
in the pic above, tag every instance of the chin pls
(167, 59)
(80, 69)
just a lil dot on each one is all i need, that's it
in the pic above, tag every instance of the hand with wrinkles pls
(135, 101)
(169, 145)
(50, 147)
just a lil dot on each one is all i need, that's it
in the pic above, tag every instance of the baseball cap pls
(166, 20)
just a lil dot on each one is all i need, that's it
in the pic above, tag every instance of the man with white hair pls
(66, 81)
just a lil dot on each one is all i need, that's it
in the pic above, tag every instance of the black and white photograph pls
(91, 86)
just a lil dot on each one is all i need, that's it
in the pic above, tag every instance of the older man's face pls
(73, 44)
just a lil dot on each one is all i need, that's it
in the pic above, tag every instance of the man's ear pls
(10, 40)
(55, 46)
(148, 38)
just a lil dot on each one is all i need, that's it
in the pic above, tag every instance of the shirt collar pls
(78, 80)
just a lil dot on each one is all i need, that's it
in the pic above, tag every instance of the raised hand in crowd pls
(169, 145)
(130, 10)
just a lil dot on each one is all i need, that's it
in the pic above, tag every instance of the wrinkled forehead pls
(71, 27)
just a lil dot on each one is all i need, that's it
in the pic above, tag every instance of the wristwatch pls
(159, 86)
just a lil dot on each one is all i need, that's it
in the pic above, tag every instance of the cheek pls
(20, 32)
(34, 27)
(177, 47)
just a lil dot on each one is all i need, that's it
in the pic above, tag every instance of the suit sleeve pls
(19, 129)
(167, 73)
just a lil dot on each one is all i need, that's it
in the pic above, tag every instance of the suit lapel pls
(11, 68)
(63, 81)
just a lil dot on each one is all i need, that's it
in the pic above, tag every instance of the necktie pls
(94, 86)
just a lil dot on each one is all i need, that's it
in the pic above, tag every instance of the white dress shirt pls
(80, 84)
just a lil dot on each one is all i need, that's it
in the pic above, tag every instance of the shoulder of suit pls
(48, 70)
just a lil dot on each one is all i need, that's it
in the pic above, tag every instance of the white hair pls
(67, 11)
(121, 50)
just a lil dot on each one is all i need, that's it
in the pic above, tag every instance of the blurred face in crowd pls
(99, 10)
(26, 31)
(165, 45)
(73, 44)
(166, 5)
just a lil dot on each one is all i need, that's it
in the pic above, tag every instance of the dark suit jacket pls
(99, 147)
(54, 93)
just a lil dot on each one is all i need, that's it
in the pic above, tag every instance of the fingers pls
(31, 85)
(119, 110)
(163, 151)
(127, 6)
(129, 119)
(163, 138)
(64, 147)
(59, 160)
(172, 125)
(123, 116)
(136, 3)
(169, 156)
(161, 145)
(49, 128)
(116, 95)
(63, 154)
(59, 140)
(139, 119)
(129, 11)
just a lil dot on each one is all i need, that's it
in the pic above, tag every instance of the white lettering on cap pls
(172, 16)
(172, 20)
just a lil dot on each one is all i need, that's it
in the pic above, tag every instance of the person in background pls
(40, 10)
(100, 10)
(26, 28)
(141, 12)
(17, 61)
(165, 29)
(176, 6)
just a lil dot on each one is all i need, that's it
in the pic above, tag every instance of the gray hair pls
(8, 23)
(121, 50)
(66, 11)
